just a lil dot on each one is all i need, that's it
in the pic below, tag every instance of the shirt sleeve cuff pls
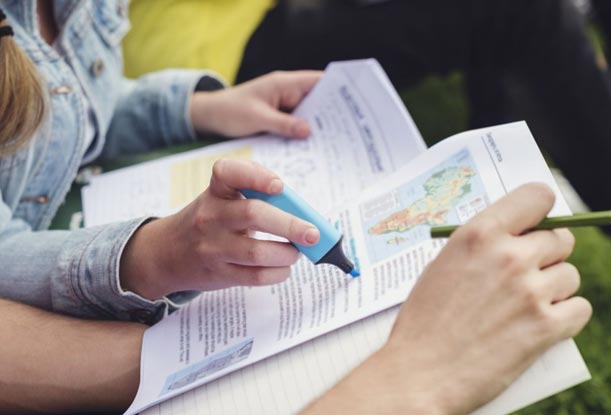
(90, 263)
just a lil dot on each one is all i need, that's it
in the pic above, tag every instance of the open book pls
(271, 350)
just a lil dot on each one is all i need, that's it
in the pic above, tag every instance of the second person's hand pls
(255, 106)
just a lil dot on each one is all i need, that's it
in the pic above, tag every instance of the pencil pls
(578, 219)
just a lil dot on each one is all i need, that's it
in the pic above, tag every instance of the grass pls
(439, 108)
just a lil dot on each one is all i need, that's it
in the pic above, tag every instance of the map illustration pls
(450, 193)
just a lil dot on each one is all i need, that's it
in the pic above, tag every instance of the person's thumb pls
(286, 125)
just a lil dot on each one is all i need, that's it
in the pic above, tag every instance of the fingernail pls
(311, 236)
(275, 186)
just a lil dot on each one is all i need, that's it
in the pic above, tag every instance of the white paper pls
(360, 133)
(449, 183)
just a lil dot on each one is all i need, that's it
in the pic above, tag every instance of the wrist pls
(203, 112)
(141, 268)
(380, 385)
(432, 382)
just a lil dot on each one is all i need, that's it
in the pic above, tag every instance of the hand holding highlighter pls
(328, 250)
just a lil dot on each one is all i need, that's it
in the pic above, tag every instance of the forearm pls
(57, 363)
(371, 388)
(74, 273)
(153, 111)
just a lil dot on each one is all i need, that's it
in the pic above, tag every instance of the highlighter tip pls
(355, 272)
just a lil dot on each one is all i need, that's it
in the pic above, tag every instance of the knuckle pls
(218, 168)
(293, 229)
(473, 237)
(263, 178)
(258, 277)
(567, 238)
(277, 74)
(266, 276)
(281, 274)
(294, 255)
(573, 274)
(250, 210)
(287, 123)
(531, 298)
(256, 255)
(202, 221)
(544, 324)
(293, 97)
(478, 233)
(512, 261)
(587, 309)
(275, 77)
(287, 255)
(209, 256)
(542, 192)
(534, 306)
(571, 270)
(544, 321)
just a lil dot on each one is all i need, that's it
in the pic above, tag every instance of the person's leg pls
(53, 363)
(539, 45)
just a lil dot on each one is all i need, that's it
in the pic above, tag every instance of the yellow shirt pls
(210, 34)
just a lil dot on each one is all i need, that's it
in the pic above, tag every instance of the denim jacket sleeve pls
(153, 111)
(72, 272)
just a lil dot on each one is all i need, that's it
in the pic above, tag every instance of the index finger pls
(260, 216)
(229, 176)
(521, 209)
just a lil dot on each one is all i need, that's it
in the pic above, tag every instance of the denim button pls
(61, 90)
(122, 10)
(35, 199)
(97, 68)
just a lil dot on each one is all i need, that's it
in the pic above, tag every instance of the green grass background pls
(439, 108)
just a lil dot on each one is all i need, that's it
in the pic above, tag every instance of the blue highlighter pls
(328, 250)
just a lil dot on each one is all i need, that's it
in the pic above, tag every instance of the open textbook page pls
(361, 132)
(386, 232)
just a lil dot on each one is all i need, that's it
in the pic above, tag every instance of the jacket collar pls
(22, 17)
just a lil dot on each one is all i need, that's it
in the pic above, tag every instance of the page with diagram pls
(361, 132)
(386, 232)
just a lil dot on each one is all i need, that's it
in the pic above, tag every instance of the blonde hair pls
(22, 99)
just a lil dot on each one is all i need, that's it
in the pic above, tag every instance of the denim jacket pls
(77, 272)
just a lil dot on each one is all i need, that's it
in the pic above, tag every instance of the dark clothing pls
(602, 9)
(522, 59)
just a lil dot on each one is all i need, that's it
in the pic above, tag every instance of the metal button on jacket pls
(97, 67)
(61, 90)
(122, 10)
